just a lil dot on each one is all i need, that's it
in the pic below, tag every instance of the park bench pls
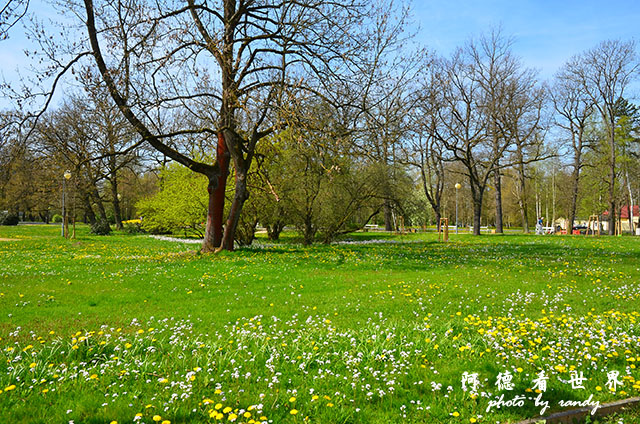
(482, 228)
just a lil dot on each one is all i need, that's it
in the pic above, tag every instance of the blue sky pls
(546, 33)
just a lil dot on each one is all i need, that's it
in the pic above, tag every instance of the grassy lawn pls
(133, 329)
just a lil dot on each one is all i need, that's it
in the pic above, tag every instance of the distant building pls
(624, 218)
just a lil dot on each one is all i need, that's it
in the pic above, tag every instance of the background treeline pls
(328, 137)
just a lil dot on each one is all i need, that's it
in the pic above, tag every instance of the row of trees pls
(323, 111)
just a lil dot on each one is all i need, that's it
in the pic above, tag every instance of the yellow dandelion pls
(292, 399)
(293, 411)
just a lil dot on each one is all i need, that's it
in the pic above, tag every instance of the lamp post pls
(66, 176)
(457, 186)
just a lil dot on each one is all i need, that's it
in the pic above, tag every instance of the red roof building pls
(624, 214)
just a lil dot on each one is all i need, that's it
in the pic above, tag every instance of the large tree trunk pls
(102, 213)
(116, 203)
(476, 196)
(88, 210)
(309, 231)
(240, 196)
(217, 188)
(497, 181)
(477, 213)
(274, 230)
(524, 215)
(388, 216)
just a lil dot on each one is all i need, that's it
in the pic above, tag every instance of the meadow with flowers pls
(378, 329)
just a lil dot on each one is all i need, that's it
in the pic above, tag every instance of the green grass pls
(103, 328)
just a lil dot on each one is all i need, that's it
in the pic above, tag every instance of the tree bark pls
(102, 213)
(476, 196)
(388, 216)
(522, 201)
(629, 203)
(309, 231)
(217, 190)
(240, 196)
(477, 213)
(274, 230)
(116, 203)
(497, 181)
(88, 210)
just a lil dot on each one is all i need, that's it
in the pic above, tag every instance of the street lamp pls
(66, 176)
(457, 186)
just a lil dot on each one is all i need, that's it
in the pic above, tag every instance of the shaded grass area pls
(377, 332)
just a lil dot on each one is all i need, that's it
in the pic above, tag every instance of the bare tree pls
(424, 150)
(387, 96)
(522, 122)
(464, 129)
(491, 116)
(574, 108)
(11, 11)
(230, 70)
(512, 101)
(240, 56)
(493, 68)
(67, 135)
(604, 73)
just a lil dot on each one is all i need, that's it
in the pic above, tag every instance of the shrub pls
(56, 218)
(9, 219)
(101, 228)
(179, 206)
(133, 226)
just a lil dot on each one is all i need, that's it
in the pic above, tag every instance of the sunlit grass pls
(104, 328)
